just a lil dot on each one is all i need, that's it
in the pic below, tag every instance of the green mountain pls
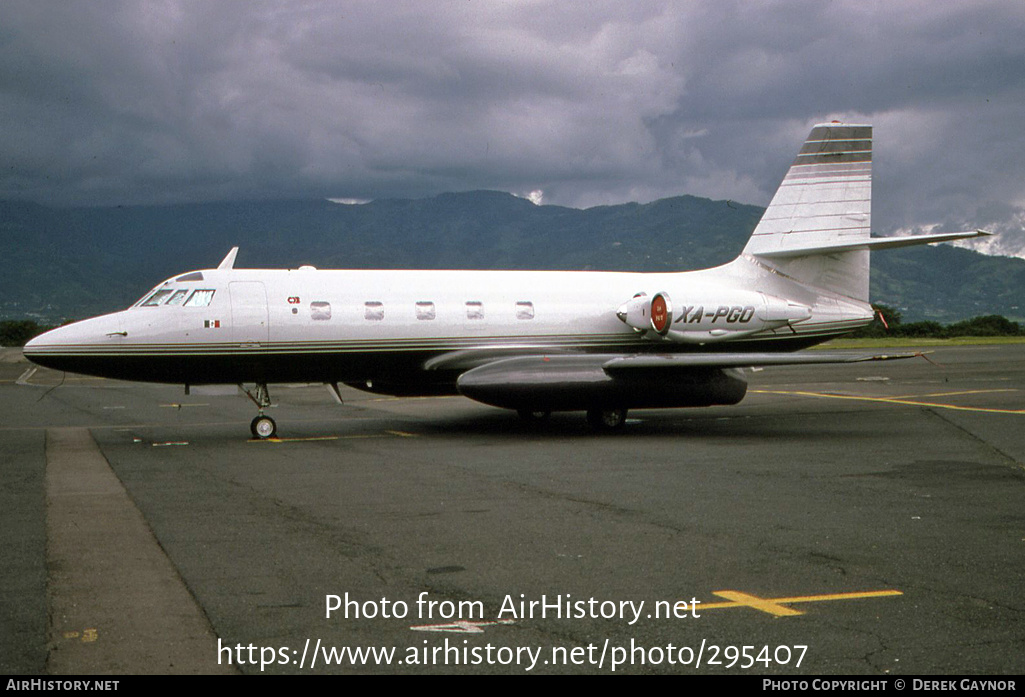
(75, 262)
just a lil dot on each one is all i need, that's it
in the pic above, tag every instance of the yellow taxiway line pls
(902, 400)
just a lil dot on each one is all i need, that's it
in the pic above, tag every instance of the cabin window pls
(200, 298)
(474, 310)
(373, 310)
(177, 298)
(320, 310)
(156, 298)
(425, 310)
(524, 310)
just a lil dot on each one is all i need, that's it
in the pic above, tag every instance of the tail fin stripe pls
(825, 132)
(831, 157)
(820, 146)
(830, 177)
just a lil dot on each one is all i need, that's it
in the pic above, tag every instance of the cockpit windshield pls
(156, 298)
(169, 297)
(200, 298)
(177, 298)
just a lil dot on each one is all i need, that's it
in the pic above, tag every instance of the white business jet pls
(532, 341)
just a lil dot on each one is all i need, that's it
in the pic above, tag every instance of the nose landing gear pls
(263, 427)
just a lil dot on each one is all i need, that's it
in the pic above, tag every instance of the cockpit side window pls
(200, 298)
(177, 298)
(156, 298)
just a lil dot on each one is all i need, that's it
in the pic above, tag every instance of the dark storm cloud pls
(140, 102)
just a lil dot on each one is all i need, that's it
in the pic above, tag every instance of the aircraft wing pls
(573, 381)
(623, 364)
(476, 358)
(468, 359)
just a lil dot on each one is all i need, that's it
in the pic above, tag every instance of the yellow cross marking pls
(777, 606)
(769, 606)
(897, 400)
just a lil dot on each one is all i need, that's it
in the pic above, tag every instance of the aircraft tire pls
(606, 419)
(263, 427)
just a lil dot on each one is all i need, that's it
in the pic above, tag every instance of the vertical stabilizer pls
(824, 202)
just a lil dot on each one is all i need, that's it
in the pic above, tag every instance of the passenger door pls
(249, 320)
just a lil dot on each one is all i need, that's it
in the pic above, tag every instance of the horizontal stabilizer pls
(873, 243)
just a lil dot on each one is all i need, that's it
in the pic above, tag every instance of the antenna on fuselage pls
(229, 261)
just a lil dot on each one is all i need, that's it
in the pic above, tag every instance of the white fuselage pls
(250, 325)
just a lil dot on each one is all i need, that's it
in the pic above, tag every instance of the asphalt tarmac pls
(865, 519)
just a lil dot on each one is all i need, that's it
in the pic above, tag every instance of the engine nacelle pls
(648, 314)
(711, 317)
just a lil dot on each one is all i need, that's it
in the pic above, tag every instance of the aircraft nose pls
(41, 349)
(41, 341)
(78, 337)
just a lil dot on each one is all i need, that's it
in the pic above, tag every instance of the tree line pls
(889, 323)
(18, 332)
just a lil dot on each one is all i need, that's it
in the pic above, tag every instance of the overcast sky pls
(595, 102)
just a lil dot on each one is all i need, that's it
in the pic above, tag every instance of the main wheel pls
(263, 427)
(606, 419)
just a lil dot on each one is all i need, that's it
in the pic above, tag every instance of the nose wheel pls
(262, 426)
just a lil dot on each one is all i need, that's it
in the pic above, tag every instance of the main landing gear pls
(263, 426)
